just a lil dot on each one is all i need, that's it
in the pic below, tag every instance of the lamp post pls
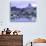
(31, 43)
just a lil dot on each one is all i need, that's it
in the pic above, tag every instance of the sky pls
(23, 0)
(22, 3)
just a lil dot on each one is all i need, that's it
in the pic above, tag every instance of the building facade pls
(11, 40)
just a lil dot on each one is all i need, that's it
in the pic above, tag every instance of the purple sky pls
(22, 4)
